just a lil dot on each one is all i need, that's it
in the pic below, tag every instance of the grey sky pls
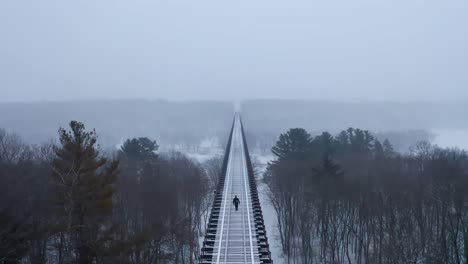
(214, 49)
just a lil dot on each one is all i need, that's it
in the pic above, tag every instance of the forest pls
(70, 202)
(351, 198)
(171, 122)
(344, 198)
(403, 123)
(234, 132)
(187, 124)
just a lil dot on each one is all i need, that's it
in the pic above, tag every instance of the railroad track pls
(235, 237)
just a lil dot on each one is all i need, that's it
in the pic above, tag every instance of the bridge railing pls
(262, 239)
(207, 251)
(206, 254)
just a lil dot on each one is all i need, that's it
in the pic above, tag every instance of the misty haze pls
(295, 132)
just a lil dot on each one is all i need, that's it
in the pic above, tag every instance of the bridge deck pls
(236, 237)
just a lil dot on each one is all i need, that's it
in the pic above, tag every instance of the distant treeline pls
(184, 123)
(351, 198)
(402, 123)
(332, 116)
(69, 203)
(188, 123)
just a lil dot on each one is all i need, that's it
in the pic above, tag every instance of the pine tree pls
(138, 155)
(85, 186)
(296, 143)
(379, 153)
(138, 193)
(388, 148)
(343, 139)
(140, 148)
(328, 168)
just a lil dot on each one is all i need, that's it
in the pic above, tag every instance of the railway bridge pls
(235, 237)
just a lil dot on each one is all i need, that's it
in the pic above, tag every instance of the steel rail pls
(226, 241)
(244, 166)
(228, 174)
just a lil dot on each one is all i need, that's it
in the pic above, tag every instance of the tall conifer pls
(85, 186)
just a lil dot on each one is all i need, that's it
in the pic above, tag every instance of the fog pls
(385, 66)
(118, 143)
(361, 50)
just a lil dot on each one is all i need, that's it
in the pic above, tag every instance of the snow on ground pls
(209, 149)
(202, 157)
(206, 150)
(269, 215)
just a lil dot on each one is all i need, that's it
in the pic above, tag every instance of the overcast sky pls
(218, 49)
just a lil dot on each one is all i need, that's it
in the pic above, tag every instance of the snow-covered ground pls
(207, 149)
(210, 149)
(269, 215)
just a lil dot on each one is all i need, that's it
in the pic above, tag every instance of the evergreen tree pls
(360, 140)
(296, 143)
(143, 221)
(378, 150)
(85, 186)
(141, 148)
(342, 139)
(14, 234)
(328, 170)
(388, 148)
(324, 144)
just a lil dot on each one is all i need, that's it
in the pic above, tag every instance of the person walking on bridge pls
(236, 202)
